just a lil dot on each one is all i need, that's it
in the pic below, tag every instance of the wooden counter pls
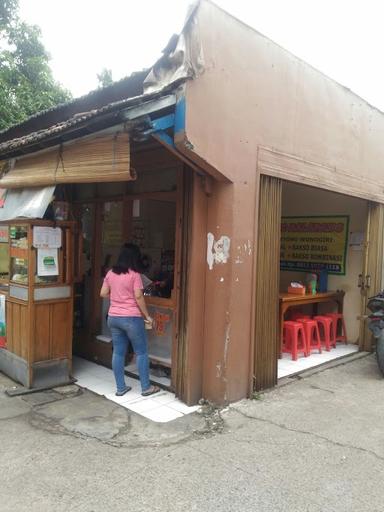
(39, 316)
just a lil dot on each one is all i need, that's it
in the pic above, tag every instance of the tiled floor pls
(288, 367)
(164, 381)
(161, 407)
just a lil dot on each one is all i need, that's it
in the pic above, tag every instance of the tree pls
(26, 82)
(105, 77)
(8, 9)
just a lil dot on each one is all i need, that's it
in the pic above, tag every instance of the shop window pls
(153, 230)
(87, 216)
(18, 238)
(19, 270)
(84, 265)
(112, 234)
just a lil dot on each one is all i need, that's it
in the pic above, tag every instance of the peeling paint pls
(217, 251)
(226, 343)
(221, 279)
(218, 370)
(210, 256)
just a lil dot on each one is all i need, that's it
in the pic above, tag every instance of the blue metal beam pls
(163, 123)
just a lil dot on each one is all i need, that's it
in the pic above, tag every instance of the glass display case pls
(19, 270)
(18, 252)
(30, 247)
(37, 297)
(18, 236)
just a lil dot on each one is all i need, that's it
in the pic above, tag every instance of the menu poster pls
(311, 244)
(48, 238)
(47, 262)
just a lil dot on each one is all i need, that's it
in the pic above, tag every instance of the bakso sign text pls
(314, 243)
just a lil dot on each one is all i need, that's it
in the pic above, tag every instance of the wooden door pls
(370, 280)
(266, 331)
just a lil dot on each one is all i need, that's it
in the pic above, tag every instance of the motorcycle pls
(376, 325)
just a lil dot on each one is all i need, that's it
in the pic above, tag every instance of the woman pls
(124, 287)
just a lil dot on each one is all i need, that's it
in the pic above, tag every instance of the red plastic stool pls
(312, 334)
(327, 332)
(294, 339)
(339, 326)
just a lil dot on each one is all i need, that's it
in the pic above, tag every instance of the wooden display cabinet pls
(39, 302)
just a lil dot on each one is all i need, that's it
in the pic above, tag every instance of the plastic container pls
(148, 324)
(323, 281)
(61, 210)
(296, 291)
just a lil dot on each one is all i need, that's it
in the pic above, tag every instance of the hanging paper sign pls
(161, 321)
(4, 233)
(160, 337)
(46, 238)
(314, 243)
(3, 194)
(47, 262)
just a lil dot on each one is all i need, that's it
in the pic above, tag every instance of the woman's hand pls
(148, 322)
(141, 303)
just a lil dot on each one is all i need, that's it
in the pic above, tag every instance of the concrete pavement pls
(314, 445)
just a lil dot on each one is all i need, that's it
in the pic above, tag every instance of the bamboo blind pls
(99, 159)
(266, 336)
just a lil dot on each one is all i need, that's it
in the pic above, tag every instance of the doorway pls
(323, 237)
(359, 275)
(146, 212)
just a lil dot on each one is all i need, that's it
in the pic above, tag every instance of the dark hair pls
(129, 259)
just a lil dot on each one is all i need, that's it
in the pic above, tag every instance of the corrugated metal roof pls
(112, 110)
(128, 87)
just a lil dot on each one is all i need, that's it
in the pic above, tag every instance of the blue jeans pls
(127, 329)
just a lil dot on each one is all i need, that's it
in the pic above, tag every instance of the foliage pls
(26, 82)
(105, 78)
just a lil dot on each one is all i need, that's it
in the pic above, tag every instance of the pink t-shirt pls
(122, 296)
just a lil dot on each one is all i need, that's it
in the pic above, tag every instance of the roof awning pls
(28, 203)
(97, 159)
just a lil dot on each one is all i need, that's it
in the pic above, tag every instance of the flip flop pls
(121, 393)
(151, 391)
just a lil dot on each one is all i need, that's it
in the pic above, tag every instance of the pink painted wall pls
(254, 93)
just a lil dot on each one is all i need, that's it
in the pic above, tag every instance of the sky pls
(343, 39)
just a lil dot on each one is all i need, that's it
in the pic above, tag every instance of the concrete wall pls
(300, 200)
(254, 93)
